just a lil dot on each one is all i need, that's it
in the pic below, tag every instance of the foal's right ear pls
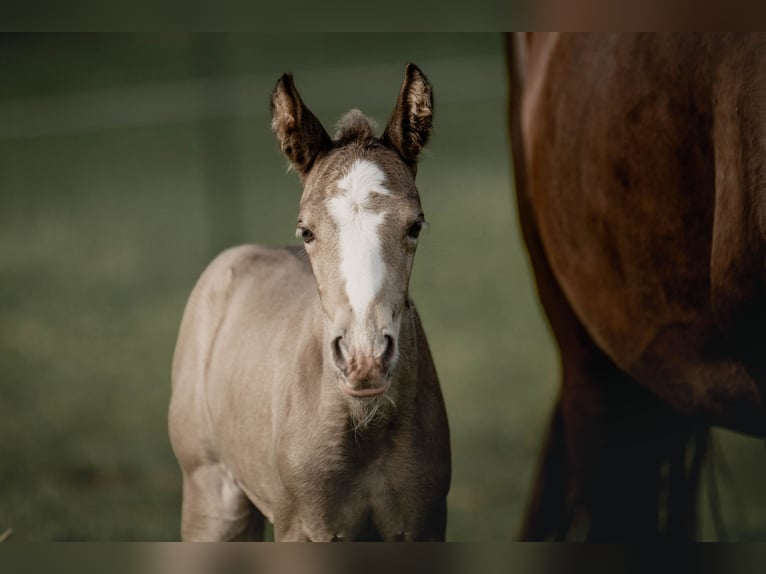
(299, 133)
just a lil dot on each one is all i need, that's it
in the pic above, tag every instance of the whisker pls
(368, 414)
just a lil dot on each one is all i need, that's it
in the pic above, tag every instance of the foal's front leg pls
(288, 526)
(215, 508)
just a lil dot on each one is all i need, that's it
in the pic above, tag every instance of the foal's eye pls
(305, 234)
(415, 229)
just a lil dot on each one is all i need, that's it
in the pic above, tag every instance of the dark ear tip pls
(284, 81)
(284, 85)
(413, 72)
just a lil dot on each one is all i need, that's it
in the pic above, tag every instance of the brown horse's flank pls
(640, 165)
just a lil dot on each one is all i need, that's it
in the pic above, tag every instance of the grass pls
(103, 234)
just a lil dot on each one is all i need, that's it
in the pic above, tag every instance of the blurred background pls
(127, 162)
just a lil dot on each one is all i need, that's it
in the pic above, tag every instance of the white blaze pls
(361, 264)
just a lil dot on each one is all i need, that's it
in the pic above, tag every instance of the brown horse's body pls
(640, 164)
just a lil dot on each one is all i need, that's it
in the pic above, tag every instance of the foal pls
(303, 387)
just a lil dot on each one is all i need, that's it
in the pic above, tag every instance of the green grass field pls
(114, 198)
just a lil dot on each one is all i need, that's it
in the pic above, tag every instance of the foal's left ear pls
(299, 133)
(410, 125)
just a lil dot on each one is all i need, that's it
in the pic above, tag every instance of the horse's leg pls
(215, 508)
(620, 440)
(546, 508)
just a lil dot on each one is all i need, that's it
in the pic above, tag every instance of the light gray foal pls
(303, 387)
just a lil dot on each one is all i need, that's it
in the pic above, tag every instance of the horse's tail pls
(550, 511)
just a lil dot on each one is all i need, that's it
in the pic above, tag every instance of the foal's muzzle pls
(365, 374)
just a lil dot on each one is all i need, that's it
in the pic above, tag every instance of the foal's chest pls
(371, 505)
(374, 499)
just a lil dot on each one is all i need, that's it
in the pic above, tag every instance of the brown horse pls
(640, 167)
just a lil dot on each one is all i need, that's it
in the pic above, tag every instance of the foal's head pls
(359, 219)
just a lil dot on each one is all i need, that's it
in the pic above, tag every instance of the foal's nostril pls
(337, 354)
(388, 352)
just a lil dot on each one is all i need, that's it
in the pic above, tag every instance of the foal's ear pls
(299, 133)
(410, 125)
